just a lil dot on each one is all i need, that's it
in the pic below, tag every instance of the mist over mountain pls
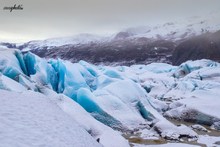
(172, 42)
(198, 47)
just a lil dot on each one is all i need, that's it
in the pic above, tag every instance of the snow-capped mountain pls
(56, 42)
(172, 31)
(128, 51)
(146, 44)
(177, 30)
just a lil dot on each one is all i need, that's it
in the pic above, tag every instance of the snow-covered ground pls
(59, 103)
(30, 119)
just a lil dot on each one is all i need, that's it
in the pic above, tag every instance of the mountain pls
(7, 45)
(119, 52)
(140, 45)
(57, 42)
(203, 46)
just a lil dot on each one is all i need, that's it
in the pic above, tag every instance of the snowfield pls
(31, 119)
(58, 103)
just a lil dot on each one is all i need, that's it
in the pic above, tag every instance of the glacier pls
(106, 101)
(31, 119)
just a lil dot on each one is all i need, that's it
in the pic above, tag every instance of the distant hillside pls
(204, 46)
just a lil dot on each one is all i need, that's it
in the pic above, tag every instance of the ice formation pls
(104, 99)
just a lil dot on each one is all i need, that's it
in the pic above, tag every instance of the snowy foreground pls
(58, 103)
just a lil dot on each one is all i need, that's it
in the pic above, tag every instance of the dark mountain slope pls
(121, 52)
(204, 46)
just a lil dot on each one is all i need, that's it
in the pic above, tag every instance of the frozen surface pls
(9, 63)
(96, 129)
(209, 140)
(11, 85)
(31, 119)
(98, 100)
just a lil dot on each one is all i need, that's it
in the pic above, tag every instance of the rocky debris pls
(199, 128)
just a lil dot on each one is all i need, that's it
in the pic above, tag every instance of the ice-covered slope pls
(17, 81)
(31, 119)
(128, 99)
(192, 88)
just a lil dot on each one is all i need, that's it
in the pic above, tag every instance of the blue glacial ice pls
(100, 91)
(10, 65)
(119, 97)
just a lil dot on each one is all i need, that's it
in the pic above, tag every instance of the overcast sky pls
(41, 19)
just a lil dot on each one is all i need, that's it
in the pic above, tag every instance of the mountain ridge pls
(137, 45)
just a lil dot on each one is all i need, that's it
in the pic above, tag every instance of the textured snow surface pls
(8, 84)
(31, 119)
(209, 140)
(91, 125)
